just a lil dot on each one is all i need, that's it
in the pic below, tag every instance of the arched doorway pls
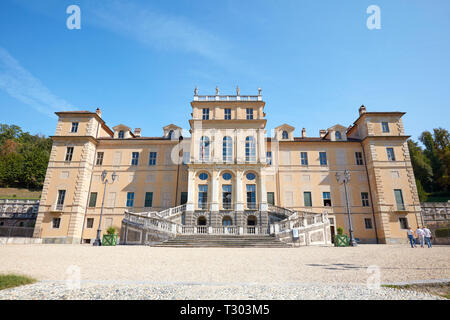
(227, 221)
(201, 221)
(251, 220)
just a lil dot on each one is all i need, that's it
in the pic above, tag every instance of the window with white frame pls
(74, 127)
(249, 113)
(69, 154)
(269, 157)
(135, 158)
(250, 149)
(99, 160)
(365, 199)
(359, 158)
(205, 114)
(152, 159)
(304, 158)
(204, 149)
(390, 154)
(227, 149)
(227, 114)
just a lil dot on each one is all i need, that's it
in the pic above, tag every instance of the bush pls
(111, 230)
(442, 233)
(340, 231)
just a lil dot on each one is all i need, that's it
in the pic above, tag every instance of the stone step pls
(224, 241)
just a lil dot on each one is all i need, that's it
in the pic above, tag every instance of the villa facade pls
(229, 172)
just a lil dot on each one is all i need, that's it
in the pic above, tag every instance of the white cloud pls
(23, 86)
(159, 30)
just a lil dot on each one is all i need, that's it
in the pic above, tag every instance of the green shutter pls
(270, 198)
(399, 199)
(148, 199)
(307, 196)
(93, 199)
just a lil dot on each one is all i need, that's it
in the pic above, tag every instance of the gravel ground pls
(139, 272)
(50, 290)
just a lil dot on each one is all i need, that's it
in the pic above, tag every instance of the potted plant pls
(110, 238)
(341, 239)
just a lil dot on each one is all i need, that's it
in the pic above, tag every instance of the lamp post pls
(97, 241)
(345, 179)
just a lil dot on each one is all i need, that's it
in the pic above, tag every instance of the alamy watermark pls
(374, 20)
(74, 20)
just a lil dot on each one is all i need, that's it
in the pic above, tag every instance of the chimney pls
(303, 133)
(322, 133)
(98, 112)
(362, 110)
(137, 132)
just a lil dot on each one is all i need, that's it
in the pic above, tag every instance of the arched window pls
(170, 134)
(285, 135)
(251, 220)
(227, 149)
(121, 134)
(204, 149)
(250, 149)
(201, 221)
(338, 135)
(227, 221)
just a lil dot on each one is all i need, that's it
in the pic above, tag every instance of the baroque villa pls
(229, 173)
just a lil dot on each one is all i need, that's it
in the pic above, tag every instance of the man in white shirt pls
(421, 235)
(427, 234)
(412, 241)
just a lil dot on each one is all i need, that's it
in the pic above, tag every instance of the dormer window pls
(121, 134)
(338, 135)
(285, 135)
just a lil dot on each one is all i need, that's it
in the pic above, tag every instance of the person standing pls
(427, 234)
(411, 237)
(421, 235)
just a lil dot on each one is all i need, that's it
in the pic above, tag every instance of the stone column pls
(263, 207)
(239, 203)
(214, 207)
(190, 204)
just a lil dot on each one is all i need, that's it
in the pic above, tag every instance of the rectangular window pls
(390, 154)
(135, 158)
(385, 126)
(365, 199)
(56, 223)
(184, 198)
(205, 115)
(304, 158)
(93, 199)
(89, 223)
(399, 199)
(359, 158)
(74, 127)
(148, 199)
(69, 153)
(99, 161)
(152, 159)
(61, 197)
(227, 114)
(327, 199)
(307, 198)
(130, 199)
(249, 114)
(186, 157)
(368, 223)
(269, 157)
(226, 196)
(403, 223)
(203, 196)
(323, 158)
(251, 196)
(271, 198)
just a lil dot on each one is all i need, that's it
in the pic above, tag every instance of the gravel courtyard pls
(139, 272)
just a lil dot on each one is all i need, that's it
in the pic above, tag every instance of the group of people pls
(423, 234)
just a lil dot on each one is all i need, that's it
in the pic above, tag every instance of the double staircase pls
(224, 241)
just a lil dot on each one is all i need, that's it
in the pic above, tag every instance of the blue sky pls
(139, 61)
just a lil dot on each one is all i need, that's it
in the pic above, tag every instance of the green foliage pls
(431, 165)
(23, 157)
(13, 280)
(111, 230)
(340, 231)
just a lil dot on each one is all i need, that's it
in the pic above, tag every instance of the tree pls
(421, 166)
